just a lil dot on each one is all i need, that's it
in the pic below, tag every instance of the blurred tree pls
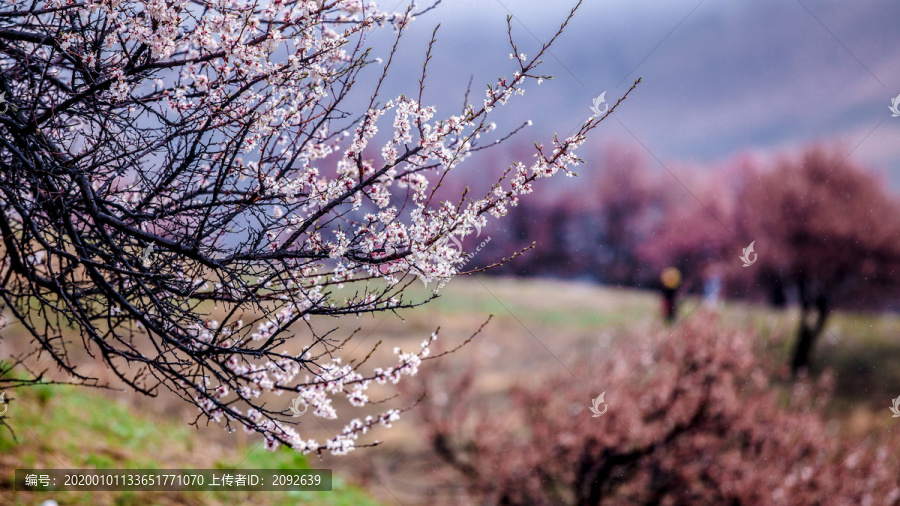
(592, 229)
(693, 229)
(825, 227)
(625, 200)
(697, 422)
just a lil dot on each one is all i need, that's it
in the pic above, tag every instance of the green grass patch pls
(63, 426)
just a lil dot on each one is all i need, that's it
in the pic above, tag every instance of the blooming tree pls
(694, 229)
(830, 231)
(695, 421)
(824, 229)
(183, 184)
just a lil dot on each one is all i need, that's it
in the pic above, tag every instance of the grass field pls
(538, 327)
(65, 427)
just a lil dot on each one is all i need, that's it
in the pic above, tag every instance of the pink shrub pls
(696, 421)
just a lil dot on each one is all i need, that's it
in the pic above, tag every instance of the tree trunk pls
(777, 297)
(809, 331)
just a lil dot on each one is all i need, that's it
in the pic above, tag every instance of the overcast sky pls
(719, 78)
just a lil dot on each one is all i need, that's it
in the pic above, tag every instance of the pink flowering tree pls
(829, 230)
(703, 418)
(183, 183)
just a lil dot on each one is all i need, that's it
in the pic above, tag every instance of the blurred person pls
(712, 287)
(670, 280)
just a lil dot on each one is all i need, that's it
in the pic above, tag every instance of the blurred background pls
(720, 78)
(758, 158)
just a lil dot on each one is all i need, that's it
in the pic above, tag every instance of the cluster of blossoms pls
(248, 382)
